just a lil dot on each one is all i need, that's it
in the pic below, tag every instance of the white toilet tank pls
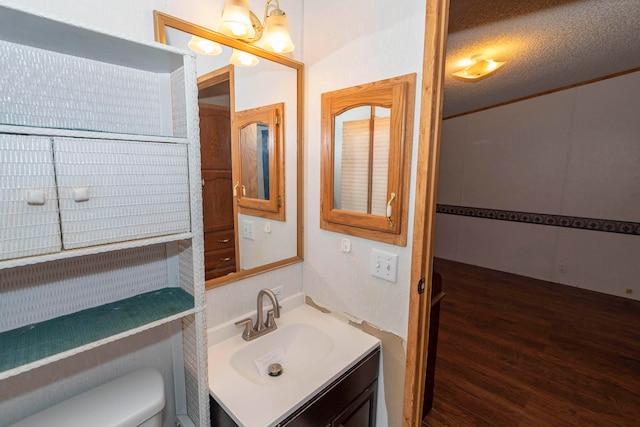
(134, 400)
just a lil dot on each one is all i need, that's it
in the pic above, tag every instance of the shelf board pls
(30, 28)
(89, 134)
(92, 250)
(35, 345)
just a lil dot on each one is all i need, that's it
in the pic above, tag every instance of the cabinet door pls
(361, 412)
(29, 222)
(217, 195)
(215, 137)
(113, 191)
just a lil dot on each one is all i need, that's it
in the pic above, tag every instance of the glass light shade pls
(479, 69)
(243, 59)
(277, 37)
(236, 21)
(204, 46)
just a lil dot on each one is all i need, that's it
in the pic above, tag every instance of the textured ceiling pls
(547, 44)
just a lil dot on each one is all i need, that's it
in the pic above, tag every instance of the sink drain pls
(275, 370)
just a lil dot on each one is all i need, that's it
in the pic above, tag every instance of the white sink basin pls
(304, 347)
(317, 347)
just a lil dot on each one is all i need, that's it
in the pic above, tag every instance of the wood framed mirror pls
(260, 189)
(367, 132)
(239, 242)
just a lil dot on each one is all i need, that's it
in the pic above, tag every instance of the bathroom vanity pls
(329, 376)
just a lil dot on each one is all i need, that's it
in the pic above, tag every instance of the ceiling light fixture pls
(478, 68)
(239, 22)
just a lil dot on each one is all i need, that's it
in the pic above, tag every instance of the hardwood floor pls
(515, 351)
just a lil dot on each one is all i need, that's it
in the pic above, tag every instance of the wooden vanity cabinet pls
(217, 191)
(350, 401)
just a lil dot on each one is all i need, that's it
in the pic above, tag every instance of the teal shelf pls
(31, 343)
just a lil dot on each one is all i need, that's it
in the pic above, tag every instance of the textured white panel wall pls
(573, 153)
(512, 153)
(603, 175)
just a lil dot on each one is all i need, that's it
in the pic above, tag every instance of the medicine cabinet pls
(259, 189)
(367, 132)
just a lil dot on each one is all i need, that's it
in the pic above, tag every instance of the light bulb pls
(276, 34)
(243, 59)
(235, 20)
(204, 46)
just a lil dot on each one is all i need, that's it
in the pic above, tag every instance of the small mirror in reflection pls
(259, 150)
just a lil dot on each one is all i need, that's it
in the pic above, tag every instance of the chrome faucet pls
(262, 327)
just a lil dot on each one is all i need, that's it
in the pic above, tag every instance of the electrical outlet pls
(278, 291)
(384, 265)
(248, 230)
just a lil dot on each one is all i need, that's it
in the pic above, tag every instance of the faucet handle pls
(248, 327)
(271, 323)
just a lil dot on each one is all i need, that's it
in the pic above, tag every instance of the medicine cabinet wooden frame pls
(273, 117)
(398, 95)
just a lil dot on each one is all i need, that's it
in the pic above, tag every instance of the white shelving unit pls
(100, 198)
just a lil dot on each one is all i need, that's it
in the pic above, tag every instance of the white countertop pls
(270, 400)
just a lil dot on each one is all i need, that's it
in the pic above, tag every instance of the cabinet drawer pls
(219, 272)
(223, 257)
(219, 263)
(112, 191)
(29, 223)
(218, 240)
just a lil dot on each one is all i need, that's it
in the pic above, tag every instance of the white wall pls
(349, 43)
(573, 153)
(346, 44)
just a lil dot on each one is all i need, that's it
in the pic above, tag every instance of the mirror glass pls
(361, 159)
(251, 244)
(366, 137)
(254, 160)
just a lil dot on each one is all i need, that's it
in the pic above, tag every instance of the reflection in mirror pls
(261, 166)
(254, 160)
(366, 157)
(251, 243)
(362, 137)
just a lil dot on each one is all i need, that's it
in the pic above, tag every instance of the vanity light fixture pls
(204, 46)
(239, 22)
(243, 59)
(478, 67)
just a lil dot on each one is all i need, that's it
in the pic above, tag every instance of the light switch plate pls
(248, 230)
(384, 265)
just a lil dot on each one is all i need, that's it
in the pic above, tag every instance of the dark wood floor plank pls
(515, 351)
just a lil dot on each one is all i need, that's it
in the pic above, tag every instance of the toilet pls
(137, 399)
